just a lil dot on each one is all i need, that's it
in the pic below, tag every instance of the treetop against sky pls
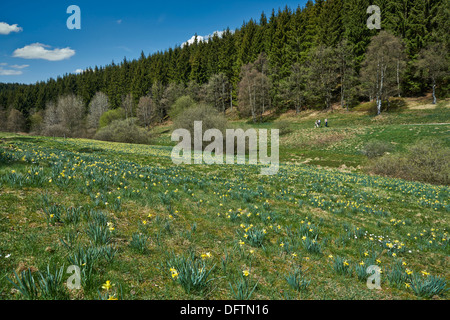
(36, 44)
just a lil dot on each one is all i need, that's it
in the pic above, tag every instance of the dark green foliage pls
(286, 37)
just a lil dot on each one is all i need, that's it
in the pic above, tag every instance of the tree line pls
(310, 57)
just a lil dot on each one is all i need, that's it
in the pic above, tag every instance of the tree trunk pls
(434, 92)
(231, 97)
(398, 78)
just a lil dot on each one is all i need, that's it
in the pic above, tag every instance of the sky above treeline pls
(36, 43)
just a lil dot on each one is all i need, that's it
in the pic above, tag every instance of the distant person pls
(319, 123)
(316, 124)
(326, 123)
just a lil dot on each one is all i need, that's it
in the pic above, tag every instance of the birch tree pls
(433, 63)
(145, 111)
(98, 106)
(379, 69)
(253, 92)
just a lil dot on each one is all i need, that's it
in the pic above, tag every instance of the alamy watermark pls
(221, 148)
(374, 21)
(74, 21)
(374, 281)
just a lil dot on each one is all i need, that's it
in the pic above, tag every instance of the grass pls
(118, 210)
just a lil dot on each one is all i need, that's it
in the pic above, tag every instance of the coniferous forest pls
(308, 57)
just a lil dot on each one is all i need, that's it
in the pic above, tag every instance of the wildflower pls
(394, 254)
(205, 255)
(144, 222)
(361, 263)
(378, 261)
(407, 285)
(330, 256)
(425, 273)
(408, 272)
(245, 273)
(345, 263)
(294, 255)
(113, 297)
(107, 285)
(366, 254)
(174, 273)
(282, 244)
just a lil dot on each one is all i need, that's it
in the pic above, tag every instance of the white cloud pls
(7, 29)
(14, 70)
(203, 38)
(9, 72)
(16, 66)
(79, 71)
(41, 51)
(192, 40)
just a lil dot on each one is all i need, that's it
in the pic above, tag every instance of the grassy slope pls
(207, 208)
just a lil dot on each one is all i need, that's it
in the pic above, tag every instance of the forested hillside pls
(306, 57)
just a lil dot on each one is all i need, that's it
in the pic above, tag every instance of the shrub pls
(426, 161)
(394, 104)
(183, 103)
(109, 116)
(210, 117)
(126, 131)
(376, 148)
(284, 127)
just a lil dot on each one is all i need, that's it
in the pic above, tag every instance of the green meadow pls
(139, 227)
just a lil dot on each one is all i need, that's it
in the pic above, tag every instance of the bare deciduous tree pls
(98, 105)
(379, 70)
(254, 90)
(65, 118)
(434, 65)
(127, 105)
(145, 111)
(15, 121)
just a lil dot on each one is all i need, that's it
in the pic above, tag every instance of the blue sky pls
(35, 43)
